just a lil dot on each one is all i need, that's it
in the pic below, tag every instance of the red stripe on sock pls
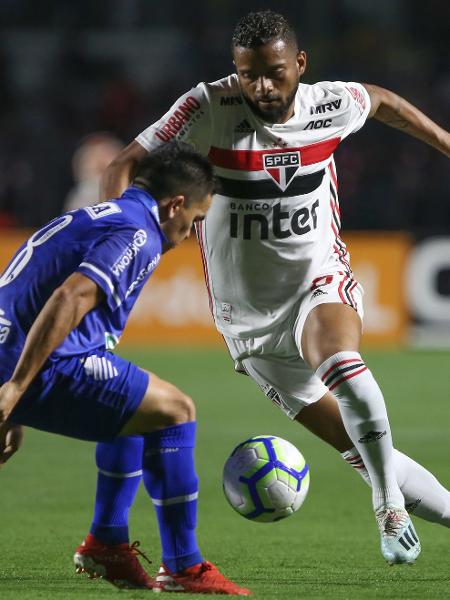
(339, 364)
(339, 381)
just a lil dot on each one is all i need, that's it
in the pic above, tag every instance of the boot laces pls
(392, 520)
(134, 549)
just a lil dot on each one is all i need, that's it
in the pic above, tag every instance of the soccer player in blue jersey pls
(64, 301)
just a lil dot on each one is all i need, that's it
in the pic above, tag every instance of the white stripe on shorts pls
(100, 368)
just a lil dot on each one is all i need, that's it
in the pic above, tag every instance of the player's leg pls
(424, 496)
(330, 345)
(292, 385)
(166, 419)
(101, 396)
(324, 420)
(301, 395)
(106, 550)
(119, 465)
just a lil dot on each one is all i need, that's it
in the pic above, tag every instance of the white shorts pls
(274, 360)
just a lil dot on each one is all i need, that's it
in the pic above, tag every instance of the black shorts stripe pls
(342, 249)
(333, 192)
(339, 372)
(346, 292)
(264, 189)
(336, 220)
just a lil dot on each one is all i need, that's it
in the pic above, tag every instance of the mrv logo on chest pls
(282, 167)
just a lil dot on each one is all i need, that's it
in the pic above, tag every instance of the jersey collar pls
(137, 193)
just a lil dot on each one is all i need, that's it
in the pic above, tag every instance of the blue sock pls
(119, 475)
(171, 481)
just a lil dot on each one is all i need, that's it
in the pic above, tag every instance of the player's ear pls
(174, 205)
(301, 62)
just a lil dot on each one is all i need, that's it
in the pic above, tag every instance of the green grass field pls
(329, 549)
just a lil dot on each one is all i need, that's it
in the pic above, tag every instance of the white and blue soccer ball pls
(266, 479)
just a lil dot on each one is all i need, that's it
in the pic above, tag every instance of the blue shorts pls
(88, 397)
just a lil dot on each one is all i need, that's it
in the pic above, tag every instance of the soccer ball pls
(266, 479)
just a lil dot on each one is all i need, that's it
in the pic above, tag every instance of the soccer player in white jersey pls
(287, 303)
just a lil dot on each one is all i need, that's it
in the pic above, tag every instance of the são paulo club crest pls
(282, 167)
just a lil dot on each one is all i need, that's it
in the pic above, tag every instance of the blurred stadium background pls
(79, 79)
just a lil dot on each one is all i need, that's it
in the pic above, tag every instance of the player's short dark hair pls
(260, 28)
(175, 169)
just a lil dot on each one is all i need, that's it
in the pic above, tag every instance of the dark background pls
(69, 68)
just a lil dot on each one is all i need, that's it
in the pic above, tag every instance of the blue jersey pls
(117, 244)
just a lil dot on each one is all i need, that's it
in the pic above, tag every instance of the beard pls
(276, 112)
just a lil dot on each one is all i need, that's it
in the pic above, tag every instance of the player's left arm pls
(395, 111)
(62, 312)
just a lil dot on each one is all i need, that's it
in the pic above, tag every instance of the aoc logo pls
(282, 167)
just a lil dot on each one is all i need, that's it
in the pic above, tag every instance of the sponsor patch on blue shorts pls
(88, 397)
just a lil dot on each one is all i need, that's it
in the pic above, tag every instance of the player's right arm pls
(62, 312)
(188, 120)
(119, 173)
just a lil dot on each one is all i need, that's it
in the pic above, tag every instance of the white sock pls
(424, 496)
(363, 411)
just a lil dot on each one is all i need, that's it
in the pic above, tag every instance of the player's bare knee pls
(186, 408)
(179, 408)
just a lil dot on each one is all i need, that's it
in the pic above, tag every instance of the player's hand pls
(11, 437)
(10, 395)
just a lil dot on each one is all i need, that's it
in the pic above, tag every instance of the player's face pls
(269, 76)
(178, 227)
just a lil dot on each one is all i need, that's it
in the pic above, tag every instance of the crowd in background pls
(93, 74)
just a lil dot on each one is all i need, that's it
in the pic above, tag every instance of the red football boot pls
(203, 578)
(116, 563)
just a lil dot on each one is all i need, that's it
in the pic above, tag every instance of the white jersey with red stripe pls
(274, 226)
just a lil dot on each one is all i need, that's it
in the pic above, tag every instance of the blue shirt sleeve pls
(120, 260)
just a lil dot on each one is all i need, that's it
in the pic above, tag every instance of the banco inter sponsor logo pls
(276, 221)
(127, 256)
(143, 274)
(282, 167)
